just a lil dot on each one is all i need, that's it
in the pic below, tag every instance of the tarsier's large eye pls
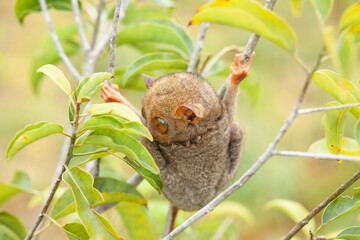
(161, 125)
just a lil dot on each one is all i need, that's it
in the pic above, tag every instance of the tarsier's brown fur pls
(198, 149)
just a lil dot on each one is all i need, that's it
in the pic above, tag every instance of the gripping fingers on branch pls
(238, 70)
(110, 94)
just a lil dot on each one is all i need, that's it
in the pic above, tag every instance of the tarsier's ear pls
(190, 113)
(148, 80)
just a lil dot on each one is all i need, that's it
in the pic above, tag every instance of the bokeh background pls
(307, 181)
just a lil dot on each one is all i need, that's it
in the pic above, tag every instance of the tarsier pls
(197, 144)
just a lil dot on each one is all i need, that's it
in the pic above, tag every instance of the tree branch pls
(317, 155)
(114, 28)
(321, 109)
(84, 41)
(56, 41)
(199, 46)
(321, 206)
(97, 24)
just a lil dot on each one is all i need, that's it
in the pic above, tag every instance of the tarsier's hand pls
(239, 71)
(110, 94)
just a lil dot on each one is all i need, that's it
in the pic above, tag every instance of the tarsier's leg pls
(111, 94)
(235, 148)
(238, 72)
(170, 221)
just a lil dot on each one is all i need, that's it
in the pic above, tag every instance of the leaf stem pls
(65, 134)
(301, 63)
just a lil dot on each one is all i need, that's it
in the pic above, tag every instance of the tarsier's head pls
(179, 107)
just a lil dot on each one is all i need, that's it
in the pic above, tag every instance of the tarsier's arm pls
(229, 91)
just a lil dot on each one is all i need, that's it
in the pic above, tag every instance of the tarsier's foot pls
(110, 94)
(239, 71)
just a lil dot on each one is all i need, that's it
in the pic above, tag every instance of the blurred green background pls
(307, 181)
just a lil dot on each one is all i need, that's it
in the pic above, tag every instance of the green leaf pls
(81, 184)
(25, 7)
(357, 132)
(355, 30)
(117, 124)
(341, 206)
(92, 83)
(21, 182)
(12, 223)
(323, 7)
(30, 134)
(350, 16)
(46, 52)
(75, 231)
(295, 210)
(57, 76)
(349, 146)
(331, 47)
(334, 122)
(137, 222)
(88, 153)
(6, 235)
(123, 143)
(250, 16)
(296, 7)
(157, 31)
(153, 61)
(64, 205)
(153, 179)
(137, 12)
(116, 109)
(352, 233)
(342, 90)
(112, 190)
(347, 54)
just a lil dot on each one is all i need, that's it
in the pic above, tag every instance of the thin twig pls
(58, 178)
(317, 155)
(321, 109)
(199, 45)
(56, 41)
(97, 24)
(322, 205)
(100, 47)
(115, 25)
(84, 41)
